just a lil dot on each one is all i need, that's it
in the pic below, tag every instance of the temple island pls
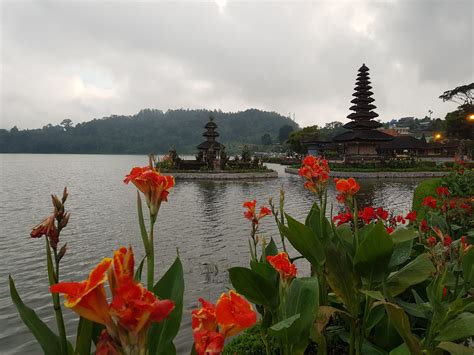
(213, 163)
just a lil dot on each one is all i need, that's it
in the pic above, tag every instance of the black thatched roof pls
(363, 136)
(363, 124)
(404, 142)
(207, 144)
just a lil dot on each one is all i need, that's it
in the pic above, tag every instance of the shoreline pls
(224, 176)
(380, 174)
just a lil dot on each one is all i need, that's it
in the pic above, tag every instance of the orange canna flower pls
(87, 298)
(316, 172)
(282, 264)
(251, 213)
(208, 342)
(152, 184)
(106, 345)
(46, 227)
(123, 266)
(135, 308)
(234, 313)
(347, 188)
(204, 318)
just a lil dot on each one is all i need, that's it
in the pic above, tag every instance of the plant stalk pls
(151, 255)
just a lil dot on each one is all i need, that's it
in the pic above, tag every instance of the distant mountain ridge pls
(149, 131)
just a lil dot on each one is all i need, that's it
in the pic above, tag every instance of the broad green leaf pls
(468, 268)
(375, 316)
(255, 287)
(376, 295)
(455, 349)
(411, 274)
(401, 253)
(49, 341)
(264, 269)
(459, 328)
(313, 221)
(422, 310)
(374, 251)
(367, 347)
(141, 222)
(402, 324)
(402, 349)
(304, 240)
(402, 234)
(271, 248)
(342, 279)
(84, 337)
(279, 330)
(170, 286)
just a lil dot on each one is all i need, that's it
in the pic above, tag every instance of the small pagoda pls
(210, 150)
(362, 141)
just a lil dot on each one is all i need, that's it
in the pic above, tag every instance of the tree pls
(66, 123)
(284, 133)
(267, 139)
(296, 139)
(457, 123)
(461, 95)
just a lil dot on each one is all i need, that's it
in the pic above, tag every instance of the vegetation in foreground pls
(380, 283)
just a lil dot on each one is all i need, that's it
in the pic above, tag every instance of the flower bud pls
(56, 203)
(65, 195)
(64, 220)
(62, 251)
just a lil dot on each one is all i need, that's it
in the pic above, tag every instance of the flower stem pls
(151, 256)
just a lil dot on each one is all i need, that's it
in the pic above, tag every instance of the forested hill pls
(146, 132)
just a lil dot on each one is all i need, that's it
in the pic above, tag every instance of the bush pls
(425, 188)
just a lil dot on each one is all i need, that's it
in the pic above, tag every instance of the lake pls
(203, 220)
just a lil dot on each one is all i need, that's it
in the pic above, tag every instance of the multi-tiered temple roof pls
(210, 134)
(362, 124)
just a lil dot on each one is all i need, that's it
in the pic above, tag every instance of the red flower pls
(234, 313)
(135, 308)
(87, 298)
(445, 291)
(46, 227)
(447, 241)
(342, 218)
(464, 244)
(431, 241)
(154, 186)
(282, 264)
(251, 214)
(411, 216)
(106, 345)
(381, 213)
(367, 214)
(452, 203)
(429, 201)
(123, 266)
(208, 343)
(316, 172)
(442, 191)
(346, 188)
(204, 318)
(424, 226)
(400, 219)
(389, 229)
(466, 207)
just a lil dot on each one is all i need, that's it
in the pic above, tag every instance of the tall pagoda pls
(210, 150)
(362, 141)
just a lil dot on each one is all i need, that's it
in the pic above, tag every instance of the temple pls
(210, 150)
(362, 141)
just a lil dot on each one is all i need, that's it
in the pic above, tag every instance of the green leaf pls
(342, 279)
(401, 235)
(271, 248)
(84, 336)
(170, 286)
(402, 324)
(374, 252)
(411, 274)
(279, 330)
(402, 349)
(141, 222)
(49, 341)
(376, 295)
(455, 349)
(417, 310)
(468, 268)
(138, 273)
(254, 287)
(375, 316)
(459, 328)
(304, 240)
(313, 221)
(401, 253)
(265, 270)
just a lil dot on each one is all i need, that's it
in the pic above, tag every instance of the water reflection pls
(203, 220)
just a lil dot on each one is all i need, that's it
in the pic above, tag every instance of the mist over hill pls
(149, 131)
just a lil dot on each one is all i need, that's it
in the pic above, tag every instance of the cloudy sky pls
(89, 59)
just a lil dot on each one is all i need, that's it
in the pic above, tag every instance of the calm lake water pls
(203, 220)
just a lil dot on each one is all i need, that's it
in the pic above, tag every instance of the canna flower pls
(152, 184)
(367, 214)
(381, 213)
(466, 207)
(400, 219)
(316, 172)
(464, 244)
(87, 298)
(445, 291)
(447, 241)
(48, 228)
(106, 345)
(411, 216)
(282, 264)
(346, 188)
(389, 229)
(424, 226)
(135, 308)
(208, 343)
(124, 263)
(342, 218)
(429, 201)
(234, 313)
(442, 191)
(204, 318)
(251, 214)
